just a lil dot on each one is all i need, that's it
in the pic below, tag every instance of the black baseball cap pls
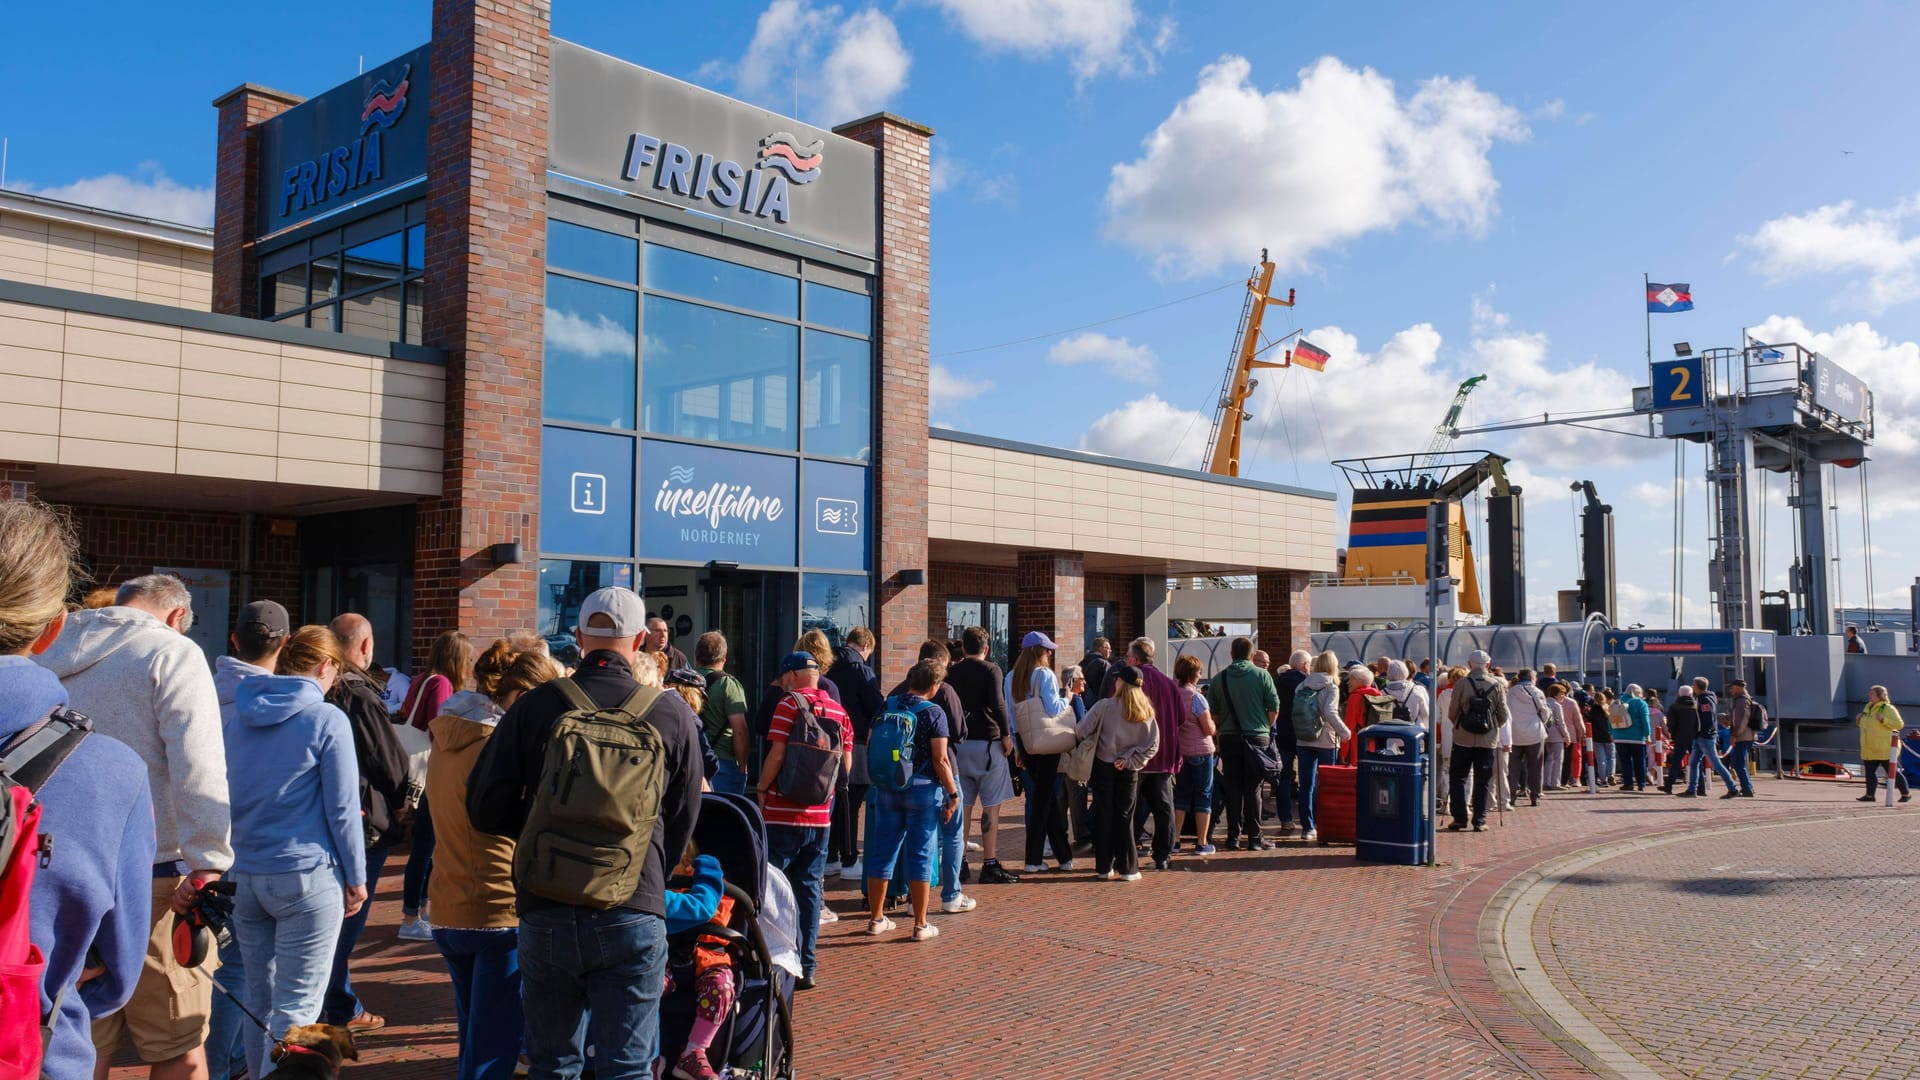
(262, 623)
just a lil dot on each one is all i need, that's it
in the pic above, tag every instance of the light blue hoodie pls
(295, 785)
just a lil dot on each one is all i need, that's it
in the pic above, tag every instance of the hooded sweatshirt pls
(227, 673)
(149, 687)
(296, 788)
(472, 883)
(1333, 730)
(96, 893)
(1528, 708)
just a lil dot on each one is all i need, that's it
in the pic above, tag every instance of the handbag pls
(1041, 733)
(1079, 765)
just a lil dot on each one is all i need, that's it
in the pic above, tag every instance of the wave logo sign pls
(385, 102)
(798, 162)
(840, 516)
(681, 474)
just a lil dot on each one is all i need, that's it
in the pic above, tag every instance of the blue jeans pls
(1308, 760)
(342, 1004)
(730, 778)
(1706, 752)
(952, 851)
(1603, 763)
(1193, 790)
(485, 966)
(800, 852)
(226, 1051)
(286, 925)
(1737, 764)
(592, 974)
(904, 827)
(413, 889)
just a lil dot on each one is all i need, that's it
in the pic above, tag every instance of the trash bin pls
(1394, 803)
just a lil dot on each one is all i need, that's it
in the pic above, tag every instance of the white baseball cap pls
(623, 606)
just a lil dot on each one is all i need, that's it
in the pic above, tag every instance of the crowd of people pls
(548, 812)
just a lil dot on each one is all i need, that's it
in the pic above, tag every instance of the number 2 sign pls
(1677, 384)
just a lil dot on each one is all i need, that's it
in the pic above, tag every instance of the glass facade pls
(835, 604)
(366, 278)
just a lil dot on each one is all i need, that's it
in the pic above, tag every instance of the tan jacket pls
(472, 884)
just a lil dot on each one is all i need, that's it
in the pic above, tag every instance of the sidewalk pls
(1297, 962)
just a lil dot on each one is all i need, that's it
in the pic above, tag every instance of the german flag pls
(1308, 355)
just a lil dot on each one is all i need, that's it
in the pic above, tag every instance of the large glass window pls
(1098, 621)
(835, 405)
(591, 251)
(589, 359)
(564, 586)
(373, 315)
(717, 376)
(838, 308)
(365, 277)
(703, 278)
(835, 604)
(993, 616)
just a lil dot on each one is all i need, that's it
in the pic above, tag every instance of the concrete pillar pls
(486, 267)
(1052, 599)
(236, 183)
(1281, 616)
(1154, 602)
(904, 189)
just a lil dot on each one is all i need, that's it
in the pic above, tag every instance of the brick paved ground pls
(1295, 963)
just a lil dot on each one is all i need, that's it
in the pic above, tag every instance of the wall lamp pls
(913, 577)
(509, 554)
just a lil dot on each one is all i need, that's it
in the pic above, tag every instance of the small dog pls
(314, 1052)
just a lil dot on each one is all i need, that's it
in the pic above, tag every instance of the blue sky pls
(1448, 193)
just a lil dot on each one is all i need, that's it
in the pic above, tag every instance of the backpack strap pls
(576, 697)
(637, 703)
(33, 755)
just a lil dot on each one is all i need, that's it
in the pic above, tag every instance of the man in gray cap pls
(1477, 711)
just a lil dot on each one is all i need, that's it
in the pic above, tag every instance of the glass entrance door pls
(760, 614)
(993, 616)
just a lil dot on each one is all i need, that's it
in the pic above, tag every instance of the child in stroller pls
(727, 955)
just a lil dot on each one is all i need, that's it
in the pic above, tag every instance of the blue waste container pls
(1394, 801)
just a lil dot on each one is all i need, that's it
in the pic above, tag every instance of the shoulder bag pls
(1079, 763)
(1262, 760)
(1041, 733)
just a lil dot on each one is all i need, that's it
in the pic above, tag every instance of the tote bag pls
(1043, 734)
(1079, 766)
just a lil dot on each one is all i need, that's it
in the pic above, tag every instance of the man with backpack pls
(1531, 714)
(1244, 704)
(1477, 711)
(592, 853)
(809, 747)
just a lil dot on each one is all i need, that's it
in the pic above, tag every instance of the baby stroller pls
(757, 1040)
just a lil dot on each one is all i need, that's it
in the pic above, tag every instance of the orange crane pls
(1223, 445)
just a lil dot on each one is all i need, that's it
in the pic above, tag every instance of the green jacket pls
(1242, 698)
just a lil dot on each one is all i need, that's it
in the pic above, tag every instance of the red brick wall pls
(1281, 617)
(486, 265)
(1120, 590)
(236, 284)
(905, 191)
(1051, 599)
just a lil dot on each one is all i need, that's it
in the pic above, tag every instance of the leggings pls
(713, 997)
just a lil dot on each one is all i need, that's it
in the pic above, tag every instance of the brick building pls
(505, 319)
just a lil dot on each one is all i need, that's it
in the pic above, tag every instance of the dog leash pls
(283, 1044)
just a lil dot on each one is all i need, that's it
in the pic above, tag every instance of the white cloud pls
(1153, 431)
(148, 193)
(949, 174)
(1297, 170)
(1844, 239)
(1098, 36)
(858, 62)
(944, 387)
(1118, 356)
(594, 338)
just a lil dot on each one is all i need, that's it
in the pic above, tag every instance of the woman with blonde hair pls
(471, 891)
(1321, 748)
(1129, 736)
(815, 644)
(299, 854)
(1880, 726)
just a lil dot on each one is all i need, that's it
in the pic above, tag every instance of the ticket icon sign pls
(836, 516)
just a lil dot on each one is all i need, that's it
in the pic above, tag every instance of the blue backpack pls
(890, 764)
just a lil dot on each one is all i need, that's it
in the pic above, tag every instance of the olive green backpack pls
(586, 838)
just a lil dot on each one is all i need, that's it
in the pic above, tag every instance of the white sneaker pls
(1036, 868)
(416, 929)
(828, 915)
(1135, 876)
(973, 845)
(961, 902)
(833, 867)
(876, 927)
(1067, 867)
(922, 933)
(851, 872)
(1310, 835)
(1110, 876)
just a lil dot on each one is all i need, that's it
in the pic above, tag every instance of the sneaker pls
(833, 867)
(851, 872)
(1206, 849)
(966, 871)
(876, 927)
(1907, 796)
(416, 929)
(1746, 794)
(366, 1023)
(923, 933)
(1163, 864)
(804, 982)
(961, 902)
(993, 874)
(828, 915)
(1067, 867)
(1310, 835)
(1036, 868)
(973, 845)
(1482, 827)
(1108, 876)
(1731, 795)
(693, 1066)
(1864, 798)
(1457, 826)
(1135, 876)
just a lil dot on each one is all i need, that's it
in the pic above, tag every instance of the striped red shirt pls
(777, 809)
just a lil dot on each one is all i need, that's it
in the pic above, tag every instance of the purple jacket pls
(1169, 706)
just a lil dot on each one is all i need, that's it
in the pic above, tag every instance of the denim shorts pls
(1193, 790)
(904, 825)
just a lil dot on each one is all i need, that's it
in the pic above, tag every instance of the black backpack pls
(1477, 717)
(1401, 714)
(811, 766)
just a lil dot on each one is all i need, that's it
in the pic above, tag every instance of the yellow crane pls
(1223, 445)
